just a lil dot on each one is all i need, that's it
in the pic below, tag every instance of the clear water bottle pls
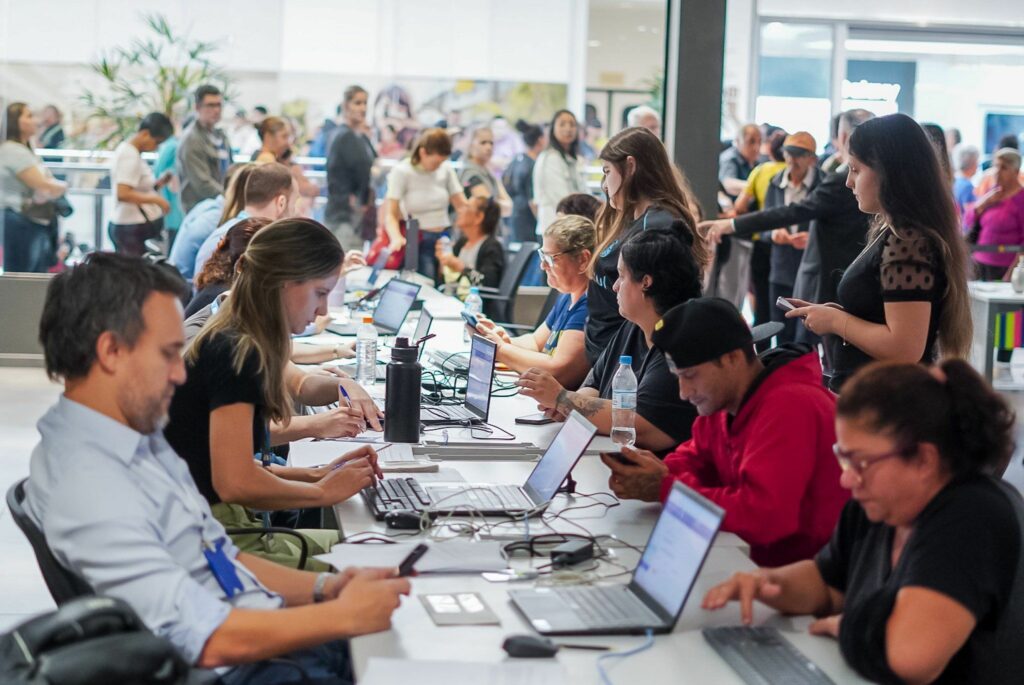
(446, 244)
(366, 352)
(624, 403)
(474, 305)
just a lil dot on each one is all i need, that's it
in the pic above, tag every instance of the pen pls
(344, 394)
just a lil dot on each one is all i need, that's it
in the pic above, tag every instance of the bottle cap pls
(626, 359)
(367, 319)
(474, 290)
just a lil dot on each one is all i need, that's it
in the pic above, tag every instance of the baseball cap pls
(800, 142)
(705, 328)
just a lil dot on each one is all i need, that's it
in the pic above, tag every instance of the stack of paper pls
(447, 556)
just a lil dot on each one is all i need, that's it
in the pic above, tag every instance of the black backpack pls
(88, 641)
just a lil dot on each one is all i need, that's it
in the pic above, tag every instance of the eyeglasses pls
(549, 259)
(849, 462)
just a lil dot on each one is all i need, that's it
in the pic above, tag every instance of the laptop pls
(375, 269)
(482, 354)
(395, 302)
(661, 582)
(422, 329)
(462, 499)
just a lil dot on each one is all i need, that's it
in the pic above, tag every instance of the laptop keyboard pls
(494, 498)
(393, 494)
(604, 606)
(395, 454)
(762, 656)
(457, 362)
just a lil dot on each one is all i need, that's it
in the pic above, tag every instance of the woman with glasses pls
(644, 191)
(477, 256)
(923, 580)
(557, 345)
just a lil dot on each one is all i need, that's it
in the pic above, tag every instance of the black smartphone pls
(619, 457)
(470, 319)
(538, 419)
(405, 568)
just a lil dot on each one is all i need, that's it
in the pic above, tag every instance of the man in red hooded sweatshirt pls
(762, 444)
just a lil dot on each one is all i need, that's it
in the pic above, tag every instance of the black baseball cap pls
(703, 329)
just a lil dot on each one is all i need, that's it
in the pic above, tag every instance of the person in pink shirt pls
(998, 217)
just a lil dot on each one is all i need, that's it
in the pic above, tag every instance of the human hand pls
(341, 422)
(361, 400)
(368, 599)
(321, 323)
(491, 330)
(161, 202)
(340, 483)
(551, 413)
(827, 627)
(799, 240)
(713, 231)
(780, 236)
(820, 319)
(328, 370)
(745, 588)
(353, 260)
(337, 582)
(363, 452)
(641, 480)
(396, 243)
(541, 386)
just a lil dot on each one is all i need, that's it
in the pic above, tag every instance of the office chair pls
(504, 295)
(64, 585)
(545, 309)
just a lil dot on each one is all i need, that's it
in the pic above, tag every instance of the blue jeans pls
(26, 244)
(427, 264)
(328, 664)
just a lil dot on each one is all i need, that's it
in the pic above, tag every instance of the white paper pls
(310, 453)
(381, 671)
(449, 556)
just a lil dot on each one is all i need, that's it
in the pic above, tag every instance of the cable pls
(647, 644)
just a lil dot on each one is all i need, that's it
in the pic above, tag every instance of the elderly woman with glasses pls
(923, 580)
(557, 345)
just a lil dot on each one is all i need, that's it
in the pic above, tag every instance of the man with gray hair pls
(965, 160)
(645, 117)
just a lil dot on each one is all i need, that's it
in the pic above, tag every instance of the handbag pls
(397, 257)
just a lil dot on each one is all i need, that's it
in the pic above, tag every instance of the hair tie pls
(938, 374)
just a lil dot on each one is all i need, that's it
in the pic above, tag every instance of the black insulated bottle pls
(402, 402)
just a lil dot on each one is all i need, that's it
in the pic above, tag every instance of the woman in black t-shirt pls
(237, 381)
(905, 296)
(655, 273)
(644, 192)
(923, 579)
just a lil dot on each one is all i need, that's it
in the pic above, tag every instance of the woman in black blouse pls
(923, 579)
(477, 255)
(905, 297)
(644, 192)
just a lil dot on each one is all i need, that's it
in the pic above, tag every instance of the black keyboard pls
(762, 656)
(394, 494)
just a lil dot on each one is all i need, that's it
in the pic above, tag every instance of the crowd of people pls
(846, 439)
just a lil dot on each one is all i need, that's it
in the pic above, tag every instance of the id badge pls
(222, 568)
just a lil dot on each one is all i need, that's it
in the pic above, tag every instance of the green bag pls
(279, 548)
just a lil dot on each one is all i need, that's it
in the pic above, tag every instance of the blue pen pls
(341, 389)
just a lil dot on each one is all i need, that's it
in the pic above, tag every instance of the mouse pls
(402, 519)
(529, 647)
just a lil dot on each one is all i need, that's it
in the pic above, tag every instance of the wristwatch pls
(318, 587)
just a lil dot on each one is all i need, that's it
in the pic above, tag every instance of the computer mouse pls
(403, 519)
(529, 647)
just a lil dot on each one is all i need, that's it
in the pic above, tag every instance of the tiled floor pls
(25, 394)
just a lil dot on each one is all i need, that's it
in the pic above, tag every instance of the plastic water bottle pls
(366, 352)
(475, 305)
(446, 244)
(624, 403)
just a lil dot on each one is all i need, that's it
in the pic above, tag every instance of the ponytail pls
(949, 406)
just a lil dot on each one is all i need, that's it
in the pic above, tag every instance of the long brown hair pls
(655, 180)
(914, 194)
(12, 129)
(220, 267)
(285, 251)
(234, 196)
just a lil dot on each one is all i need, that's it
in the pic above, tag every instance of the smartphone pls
(619, 457)
(405, 568)
(470, 319)
(538, 419)
(783, 303)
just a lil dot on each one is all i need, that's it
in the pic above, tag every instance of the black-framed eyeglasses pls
(848, 461)
(549, 259)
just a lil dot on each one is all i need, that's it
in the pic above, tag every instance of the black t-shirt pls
(604, 318)
(966, 544)
(657, 392)
(894, 267)
(212, 383)
(204, 297)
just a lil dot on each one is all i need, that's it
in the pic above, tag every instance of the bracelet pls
(318, 587)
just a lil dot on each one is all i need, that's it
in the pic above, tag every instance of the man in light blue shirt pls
(119, 508)
(196, 227)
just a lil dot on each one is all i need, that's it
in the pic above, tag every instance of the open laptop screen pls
(422, 328)
(481, 372)
(559, 458)
(395, 303)
(676, 549)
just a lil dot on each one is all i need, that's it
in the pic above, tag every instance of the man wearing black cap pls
(762, 445)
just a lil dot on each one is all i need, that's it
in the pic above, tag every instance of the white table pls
(988, 300)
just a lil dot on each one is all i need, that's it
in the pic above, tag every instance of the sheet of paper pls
(382, 671)
(449, 556)
(308, 453)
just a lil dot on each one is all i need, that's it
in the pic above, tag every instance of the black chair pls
(504, 295)
(545, 309)
(64, 585)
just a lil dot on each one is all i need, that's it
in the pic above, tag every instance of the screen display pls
(481, 371)
(395, 303)
(676, 549)
(559, 458)
(422, 328)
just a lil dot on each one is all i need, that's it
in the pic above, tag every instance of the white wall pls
(917, 12)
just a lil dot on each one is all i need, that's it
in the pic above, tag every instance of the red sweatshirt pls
(771, 467)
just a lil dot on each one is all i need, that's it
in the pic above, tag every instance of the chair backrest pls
(549, 304)
(62, 583)
(515, 269)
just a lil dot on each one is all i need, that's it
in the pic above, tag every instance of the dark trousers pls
(27, 245)
(427, 259)
(775, 291)
(328, 664)
(760, 269)
(130, 239)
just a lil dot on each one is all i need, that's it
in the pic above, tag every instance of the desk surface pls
(994, 292)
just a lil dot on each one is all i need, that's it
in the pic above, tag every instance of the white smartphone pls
(783, 303)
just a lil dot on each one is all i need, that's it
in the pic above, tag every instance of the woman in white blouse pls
(559, 171)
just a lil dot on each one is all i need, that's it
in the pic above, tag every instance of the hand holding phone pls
(619, 457)
(784, 304)
(470, 319)
(406, 567)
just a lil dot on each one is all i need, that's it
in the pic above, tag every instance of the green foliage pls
(155, 73)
